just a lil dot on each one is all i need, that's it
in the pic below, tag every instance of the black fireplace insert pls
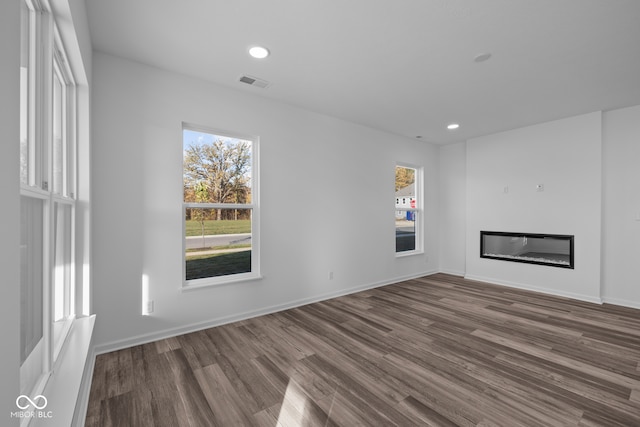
(555, 250)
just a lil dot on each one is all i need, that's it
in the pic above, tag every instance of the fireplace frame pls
(514, 258)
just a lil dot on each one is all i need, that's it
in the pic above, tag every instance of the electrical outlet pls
(331, 275)
(540, 187)
(150, 307)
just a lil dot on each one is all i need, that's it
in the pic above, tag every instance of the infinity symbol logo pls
(31, 402)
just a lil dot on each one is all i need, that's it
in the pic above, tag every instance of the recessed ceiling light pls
(259, 52)
(453, 126)
(482, 57)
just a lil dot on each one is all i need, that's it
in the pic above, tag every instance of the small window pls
(220, 210)
(408, 217)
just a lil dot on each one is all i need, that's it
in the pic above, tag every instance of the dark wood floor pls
(439, 351)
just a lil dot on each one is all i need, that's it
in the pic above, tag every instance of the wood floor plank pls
(226, 405)
(128, 409)
(167, 344)
(298, 410)
(189, 392)
(422, 414)
(435, 351)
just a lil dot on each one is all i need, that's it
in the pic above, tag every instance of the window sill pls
(63, 387)
(408, 253)
(219, 281)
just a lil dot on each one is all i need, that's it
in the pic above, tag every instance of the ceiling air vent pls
(254, 81)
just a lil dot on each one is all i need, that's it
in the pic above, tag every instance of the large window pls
(408, 213)
(220, 207)
(47, 176)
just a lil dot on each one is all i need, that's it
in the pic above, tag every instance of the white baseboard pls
(453, 272)
(579, 297)
(621, 302)
(602, 300)
(172, 332)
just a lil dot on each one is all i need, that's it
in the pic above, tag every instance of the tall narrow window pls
(47, 177)
(33, 219)
(408, 215)
(220, 207)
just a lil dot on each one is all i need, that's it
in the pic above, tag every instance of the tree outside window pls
(218, 204)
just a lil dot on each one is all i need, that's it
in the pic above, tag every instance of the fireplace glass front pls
(545, 249)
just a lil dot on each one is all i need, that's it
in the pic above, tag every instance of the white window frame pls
(254, 206)
(419, 210)
(47, 58)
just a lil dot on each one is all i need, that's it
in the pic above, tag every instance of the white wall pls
(621, 206)
(312, 168)
(452, 203)
(10, 214)
(564, 156)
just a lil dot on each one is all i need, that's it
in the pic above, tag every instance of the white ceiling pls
(403, 66)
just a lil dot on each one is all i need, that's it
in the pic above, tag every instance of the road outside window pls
(219, 205)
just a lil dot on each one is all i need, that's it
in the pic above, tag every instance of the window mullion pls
(46, 140)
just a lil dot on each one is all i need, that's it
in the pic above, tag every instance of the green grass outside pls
(218, 248)
(221, 264)
(212, 227)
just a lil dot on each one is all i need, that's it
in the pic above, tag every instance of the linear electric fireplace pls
(545, 249)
